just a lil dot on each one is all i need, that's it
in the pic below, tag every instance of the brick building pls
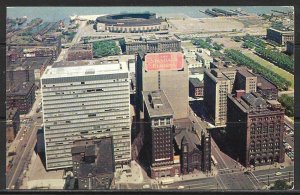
(80, 52)
(194, 150)
(255, 129)
(196, 88)
(267, 89)
(159, 134)
(93, 163)
(21, 96)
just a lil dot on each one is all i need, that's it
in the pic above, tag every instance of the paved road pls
(286, 174)
(25, 146)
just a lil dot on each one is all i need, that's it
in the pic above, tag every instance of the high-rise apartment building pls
(85, 99)
(216, 88)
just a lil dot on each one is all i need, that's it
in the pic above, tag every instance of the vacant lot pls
(272, 67)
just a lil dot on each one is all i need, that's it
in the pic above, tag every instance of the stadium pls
(130, 23)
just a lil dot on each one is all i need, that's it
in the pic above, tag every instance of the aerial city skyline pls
(144, 98)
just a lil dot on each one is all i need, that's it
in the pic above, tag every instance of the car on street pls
(21, 138)
(278, 173)
(146, 186)
(180, 187)
(281, 167)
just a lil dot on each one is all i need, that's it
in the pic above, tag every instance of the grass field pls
(288, 76)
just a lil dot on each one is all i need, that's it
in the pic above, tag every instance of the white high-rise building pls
(85, 99)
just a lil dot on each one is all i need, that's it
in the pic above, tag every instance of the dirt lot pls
(228, 43)
(218, 24)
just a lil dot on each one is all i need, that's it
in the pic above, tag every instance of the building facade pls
(20, 96)
(12, 124)
(159, 131)
(217, 87)
(152, 44)
(245, 80)
(280, 36)
(255, 129)
(82, 100)
(158, 71)
(195, 152)
(196, 88)
(290, 47)
(93, 163)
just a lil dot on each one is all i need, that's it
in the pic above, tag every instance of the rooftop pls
(263, 83)
(196, 82)
(80, 47)
(29, 63)
(188, 136)
(83, 68)
(151, 38)
(157, 103)
(246, 73)
(253, 102)
(100, 149)
(19, 88)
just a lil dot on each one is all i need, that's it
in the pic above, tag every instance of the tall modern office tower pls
(85, 99)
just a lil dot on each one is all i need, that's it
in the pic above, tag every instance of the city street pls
(24, 143)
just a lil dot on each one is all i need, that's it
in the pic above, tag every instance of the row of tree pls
(288, 103)
(255, 41)
(207, 44)
(241, 59)
(280, 59)
(105, 48)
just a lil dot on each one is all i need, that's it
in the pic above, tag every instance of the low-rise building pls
(152, 44)
(205, 58)
(93, 163)
(27, 70)
(267, 89)
(196, 87)
(280, 36)
(80, 52)
(21, 96)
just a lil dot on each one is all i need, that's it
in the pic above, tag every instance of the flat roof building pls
(152, 44)
(167, 72)
(245, 80)
(20, 95)
(280, 36)
(83, 99)
(93, 163)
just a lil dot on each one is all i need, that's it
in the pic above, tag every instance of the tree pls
(209, 40)
(280, 185)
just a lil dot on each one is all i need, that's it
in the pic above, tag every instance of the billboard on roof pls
(164, 61)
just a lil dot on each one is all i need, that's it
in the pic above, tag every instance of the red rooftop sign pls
(164, 61)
